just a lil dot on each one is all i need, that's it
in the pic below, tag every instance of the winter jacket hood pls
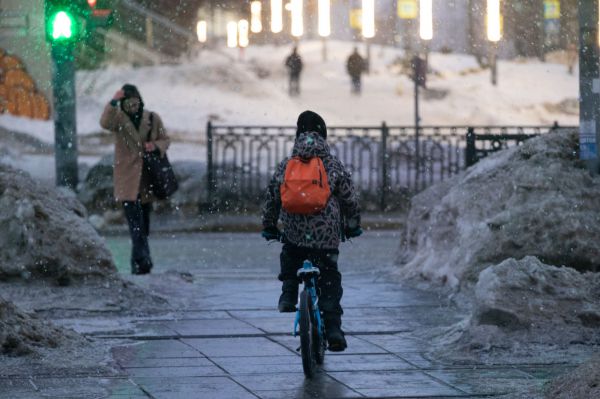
(309, 145)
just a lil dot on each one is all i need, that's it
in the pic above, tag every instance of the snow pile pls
(45, 233)
(96, 191)
(527, 300)
(535, 199)
(21, 333)
(581, 383)
(221, 86)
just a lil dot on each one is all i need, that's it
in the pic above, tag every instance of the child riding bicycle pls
(312, 192)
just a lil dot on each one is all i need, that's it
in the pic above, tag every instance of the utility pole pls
(420, 79)
(589, 84)
(65, 124)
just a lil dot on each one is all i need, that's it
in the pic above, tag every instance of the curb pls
(238, 224)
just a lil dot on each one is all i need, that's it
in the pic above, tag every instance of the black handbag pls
(163, 182)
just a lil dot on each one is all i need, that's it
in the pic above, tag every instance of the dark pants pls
(356, 86)
(138, 218)
(294, 85)
(329, 283)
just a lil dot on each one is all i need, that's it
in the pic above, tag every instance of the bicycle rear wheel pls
(306, 348)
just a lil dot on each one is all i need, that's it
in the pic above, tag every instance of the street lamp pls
(494, 34)
(243, 30)
(297, 18)
(368, 26)
(426, 19)
(232, 34)
(324, 24)
(368, 19)
(276, 16)
(202, 31)
(255, 16)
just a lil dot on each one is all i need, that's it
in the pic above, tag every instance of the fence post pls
(210, 178)
(384, 165)
(471, 151)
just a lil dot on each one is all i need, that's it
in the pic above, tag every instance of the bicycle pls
(310, 321)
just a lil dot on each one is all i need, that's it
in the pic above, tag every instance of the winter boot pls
(289, 296)
(135, 269)
(334, 334)
(145, 267)
(141, 267)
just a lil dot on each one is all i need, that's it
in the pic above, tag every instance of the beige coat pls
(129, 181)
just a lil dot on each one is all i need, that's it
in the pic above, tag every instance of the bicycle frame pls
(308, 273)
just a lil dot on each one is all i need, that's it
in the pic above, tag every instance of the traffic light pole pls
(65, 126)
(589, 84)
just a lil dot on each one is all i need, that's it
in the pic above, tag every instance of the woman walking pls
(136, 131)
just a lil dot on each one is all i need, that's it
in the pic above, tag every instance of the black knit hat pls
(310, 121)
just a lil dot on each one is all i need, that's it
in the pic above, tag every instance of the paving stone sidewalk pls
(225, 339)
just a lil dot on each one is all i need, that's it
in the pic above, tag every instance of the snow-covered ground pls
(228, 89)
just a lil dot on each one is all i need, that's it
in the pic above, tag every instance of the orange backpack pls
(305, 188)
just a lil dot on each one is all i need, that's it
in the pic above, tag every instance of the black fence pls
(388, 163)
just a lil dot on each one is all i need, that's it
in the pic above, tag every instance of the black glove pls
(271, 233)
(355, 232)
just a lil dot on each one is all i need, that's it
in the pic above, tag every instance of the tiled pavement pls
(229, 342)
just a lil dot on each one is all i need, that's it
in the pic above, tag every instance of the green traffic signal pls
(62, 26)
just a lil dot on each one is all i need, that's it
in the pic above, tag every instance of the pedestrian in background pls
(136, 131)
(355, 66)
(294, 66)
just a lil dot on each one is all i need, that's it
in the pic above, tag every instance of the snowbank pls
(581, 383)
(45, 233)
(21, 333)
(223, 87)
(535, 199)
(529, 301)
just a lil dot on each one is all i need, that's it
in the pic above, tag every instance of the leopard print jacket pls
(324, 229)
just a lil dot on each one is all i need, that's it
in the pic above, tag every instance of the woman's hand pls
(149, 146)
(118, 95)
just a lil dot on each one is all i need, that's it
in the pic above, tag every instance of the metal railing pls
(388, 163)
(484, 141)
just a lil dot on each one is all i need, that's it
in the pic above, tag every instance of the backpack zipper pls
(320, 176)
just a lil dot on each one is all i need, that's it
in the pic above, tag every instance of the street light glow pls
(297, 22)
(324, 18)
(232, 34)
(426, 19)
(243, 33)
(201, 31)
(255, 17)
(368, 18)
(276, 16)
(494, 30)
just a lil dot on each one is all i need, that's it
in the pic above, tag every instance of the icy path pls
(225, 339)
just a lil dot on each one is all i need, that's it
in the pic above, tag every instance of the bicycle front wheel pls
(306, 348)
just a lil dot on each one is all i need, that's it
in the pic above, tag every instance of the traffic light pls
(62, 23)
(68, 20)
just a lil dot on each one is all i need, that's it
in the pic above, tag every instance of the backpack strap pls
(151, 126)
